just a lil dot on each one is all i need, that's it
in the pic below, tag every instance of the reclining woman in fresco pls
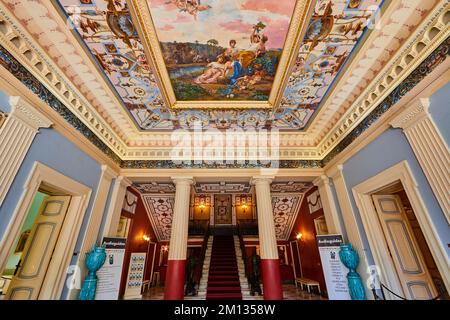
(216, 70)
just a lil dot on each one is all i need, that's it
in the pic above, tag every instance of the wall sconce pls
(165, 248)
(202, 202)
(146, 238)
(299, 236)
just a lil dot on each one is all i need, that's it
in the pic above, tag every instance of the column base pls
(175, 276)
(271, 278)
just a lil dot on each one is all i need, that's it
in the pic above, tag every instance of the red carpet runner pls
(223, 280)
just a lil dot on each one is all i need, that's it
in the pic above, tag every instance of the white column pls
(429, 147)
(351, 227)
(266, 225)
(329, 205)
(16, 136)
(95, 219)
(115, 206)
(180, 219)
(270, 264)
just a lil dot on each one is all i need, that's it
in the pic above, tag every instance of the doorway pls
(397, 255)
(49, 246)
(414, 264)
(27, 265)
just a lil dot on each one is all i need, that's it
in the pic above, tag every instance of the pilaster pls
(429, 147)
(16, 136)
(329, 204)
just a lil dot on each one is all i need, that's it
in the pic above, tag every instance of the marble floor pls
(290, 292)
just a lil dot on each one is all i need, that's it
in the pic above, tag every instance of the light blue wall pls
(440, 111)
(55, 151)
(4, 103)
(391, 148)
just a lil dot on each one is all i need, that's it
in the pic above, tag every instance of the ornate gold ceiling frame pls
(140, 12)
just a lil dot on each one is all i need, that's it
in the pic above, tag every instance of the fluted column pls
(270, 264)
(176, 268)
(329, 204)
(429, 147)
(16, 136)
(115, 206)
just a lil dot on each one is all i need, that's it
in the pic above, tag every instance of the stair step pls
(224, 290)
(221, 296)
(223, 283)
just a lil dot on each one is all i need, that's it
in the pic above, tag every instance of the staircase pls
(223, 279)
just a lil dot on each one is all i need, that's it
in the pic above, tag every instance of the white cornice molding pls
(13, 87)
(426, 38)
(427, 87)
(19, 43)
(293, 146)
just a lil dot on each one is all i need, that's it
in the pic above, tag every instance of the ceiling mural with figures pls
(221, 49)
(209, 66)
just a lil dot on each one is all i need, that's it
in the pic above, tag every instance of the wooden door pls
(27, 281)
(404, 250)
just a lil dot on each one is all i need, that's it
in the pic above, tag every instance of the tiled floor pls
(289, 293)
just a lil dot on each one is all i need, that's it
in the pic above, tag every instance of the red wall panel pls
(309, 252)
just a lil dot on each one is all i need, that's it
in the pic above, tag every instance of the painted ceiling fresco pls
(108, 31)
(221, 49)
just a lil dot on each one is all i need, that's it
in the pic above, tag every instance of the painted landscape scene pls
(222, 49)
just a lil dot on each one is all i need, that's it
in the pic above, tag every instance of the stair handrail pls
(192, 285)
(253, 282)
(203, 254)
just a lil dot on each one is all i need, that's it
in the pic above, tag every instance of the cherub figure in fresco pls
(258, 41)
(193, 7)
(216, 70)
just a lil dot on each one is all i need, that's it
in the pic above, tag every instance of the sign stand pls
(110, 273)
(333, 269)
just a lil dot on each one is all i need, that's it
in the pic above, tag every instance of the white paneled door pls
(404, 250)
(38, 251)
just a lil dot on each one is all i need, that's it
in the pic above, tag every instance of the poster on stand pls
(334, 271)
(110, 273)
(135, 276)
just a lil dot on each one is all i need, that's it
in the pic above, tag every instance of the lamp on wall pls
(202, 202)
(299, 236)
(146, 238)
(244, 205)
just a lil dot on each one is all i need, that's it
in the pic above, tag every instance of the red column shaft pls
(174, 284)
(271, 278)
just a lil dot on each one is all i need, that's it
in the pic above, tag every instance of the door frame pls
(40, 174)
(400, 172)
